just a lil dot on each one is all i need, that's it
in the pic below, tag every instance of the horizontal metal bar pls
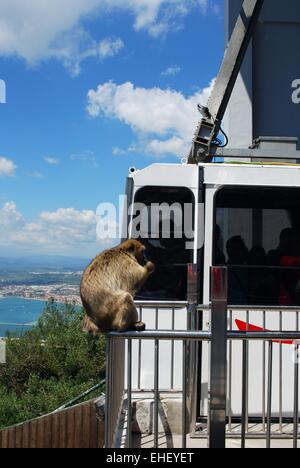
(202, 307)
(254, 308)
(163, 335)
(256, 154)
(161, 304)
(263, 267)
(250, 435)
(264, 336)
(206, 336)
(264, 308)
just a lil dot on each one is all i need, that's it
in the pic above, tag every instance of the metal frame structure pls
(204, 146)
(268, 153)
(216, 335)
(220, 420)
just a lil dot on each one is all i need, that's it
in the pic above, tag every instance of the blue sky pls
(83, 82)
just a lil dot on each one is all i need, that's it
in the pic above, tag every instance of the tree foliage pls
(49, 365)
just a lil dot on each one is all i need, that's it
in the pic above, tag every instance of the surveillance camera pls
(132, 170)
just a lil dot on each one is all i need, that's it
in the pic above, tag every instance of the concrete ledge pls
(170, 415)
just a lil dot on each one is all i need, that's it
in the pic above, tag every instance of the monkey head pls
(135, 248)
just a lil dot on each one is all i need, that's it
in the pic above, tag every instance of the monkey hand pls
(150, 266)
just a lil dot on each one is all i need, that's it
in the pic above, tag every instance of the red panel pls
(242, 326)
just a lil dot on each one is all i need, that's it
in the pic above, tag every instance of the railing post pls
(108, 406)
(192, 284)
(218, 365)
(191, 366)
(129, 394)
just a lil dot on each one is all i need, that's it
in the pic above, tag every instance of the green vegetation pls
(49, 365)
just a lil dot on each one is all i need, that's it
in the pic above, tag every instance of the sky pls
(94, 87)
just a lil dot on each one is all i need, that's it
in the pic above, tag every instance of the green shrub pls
(49, 365)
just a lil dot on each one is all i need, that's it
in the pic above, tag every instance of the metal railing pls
(157, 308)
(270, 338)
(220, 338)
(158, 337)
(254, 363)
(115, 378)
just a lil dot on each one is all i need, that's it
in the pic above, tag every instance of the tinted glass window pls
(257, 234)
(168, 237)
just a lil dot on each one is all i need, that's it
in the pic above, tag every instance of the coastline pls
(19, 313)
(22, 297)
(62, 300)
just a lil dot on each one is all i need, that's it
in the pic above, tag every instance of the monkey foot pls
(140, 326)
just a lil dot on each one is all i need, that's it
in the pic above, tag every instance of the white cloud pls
(116, 151)
(52, 161)
(7, 167)
(86, 156)
(158, 16)
(175, 145)
(35, 175)
(110, 47)
(33, 29)
(217, 10)
(171, 71)
(76, 46)
(164, 119)
(36, 30)
(10, 219)
(64, 231)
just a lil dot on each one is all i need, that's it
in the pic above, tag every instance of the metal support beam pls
(210, 125)
(234, 57)
(272, 155)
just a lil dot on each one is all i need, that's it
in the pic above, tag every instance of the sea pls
(19, 315)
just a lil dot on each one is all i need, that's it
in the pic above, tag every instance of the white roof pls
(184, 175)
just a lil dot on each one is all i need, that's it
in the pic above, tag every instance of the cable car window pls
(164, 219)
(257, 235)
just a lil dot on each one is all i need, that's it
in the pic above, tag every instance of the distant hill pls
(43, 263)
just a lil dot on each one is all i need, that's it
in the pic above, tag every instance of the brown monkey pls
(109, 285)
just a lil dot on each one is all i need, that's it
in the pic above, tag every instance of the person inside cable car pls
(290, 277)
(285, 241)
(257, 277)
(237, 277)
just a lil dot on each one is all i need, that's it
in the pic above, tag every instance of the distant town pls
(58, 292)
(42, 279)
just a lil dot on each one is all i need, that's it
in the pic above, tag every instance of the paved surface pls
(145, 441)
(171, 441)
